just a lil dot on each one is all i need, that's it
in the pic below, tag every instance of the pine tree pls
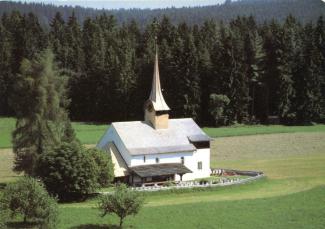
(206, 39)
(308, 79)
(58, 40)
(39, 101)
(239, 98)
(34, 37)
(73, 38)
(6, 79)
(286, 89)
(319, 36)
(272, 47)
(14, 24)
(221, 61)
(85, 86)
(124, 78)
(186, 87)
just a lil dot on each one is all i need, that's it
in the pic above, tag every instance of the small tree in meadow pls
(28, 198)
(123, 202)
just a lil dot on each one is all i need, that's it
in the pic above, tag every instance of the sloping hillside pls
(305, 10)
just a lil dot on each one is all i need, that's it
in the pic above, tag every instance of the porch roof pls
(160, 169)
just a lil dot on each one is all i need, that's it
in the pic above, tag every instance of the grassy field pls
(292, 195)
(86, 133)
(91, 133)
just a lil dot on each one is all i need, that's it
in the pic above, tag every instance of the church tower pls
(156, 109)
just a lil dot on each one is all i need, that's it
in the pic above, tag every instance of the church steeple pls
(156, 109)
(156, 95)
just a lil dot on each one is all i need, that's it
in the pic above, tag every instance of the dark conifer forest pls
(262, 10)
(219, 73)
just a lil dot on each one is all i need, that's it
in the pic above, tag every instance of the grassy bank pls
(292, 195)
(91, 133)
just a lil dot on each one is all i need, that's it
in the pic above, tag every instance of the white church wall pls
(112, 136)
(200, 155)
(163, 158)
(191, 160)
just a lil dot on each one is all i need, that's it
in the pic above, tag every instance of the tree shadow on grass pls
(2, 186)
(95, 226)
(21, 225)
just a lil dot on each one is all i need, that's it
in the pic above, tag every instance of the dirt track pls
(267, 146)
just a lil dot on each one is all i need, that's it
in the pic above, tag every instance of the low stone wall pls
(196, 184)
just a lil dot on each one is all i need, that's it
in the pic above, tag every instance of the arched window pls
(182, 160)
(157, 160)
(144, 159)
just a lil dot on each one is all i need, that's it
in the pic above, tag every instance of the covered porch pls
(156, 174)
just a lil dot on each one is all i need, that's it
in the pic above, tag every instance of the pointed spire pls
(156, 96)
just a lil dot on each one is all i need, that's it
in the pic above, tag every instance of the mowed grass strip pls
(89, 133)
(243, 130)
(300, 210)
(6, 165)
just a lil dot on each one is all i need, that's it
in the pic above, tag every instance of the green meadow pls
(291, 196)
(91, 133)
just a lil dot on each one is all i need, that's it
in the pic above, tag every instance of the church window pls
(199, 165)
(157, 160)
(144, 159)
(182, 160)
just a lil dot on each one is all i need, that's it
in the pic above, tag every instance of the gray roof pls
(140, 138)
(160, 169)
(199, 138)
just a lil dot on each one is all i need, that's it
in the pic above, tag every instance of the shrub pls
(68, 171)
(122, 202)
(203, 181)
(28, 198)
(105, 167)
(218, 106)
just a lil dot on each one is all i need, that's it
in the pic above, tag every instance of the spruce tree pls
(186, 88)
(319, 37)
(6, 79)
(35, 39)
(124, 78)
(272, 46)
(58, 40)
(288, 64)
(308, 79)
(39, 101)
(14, 24)
(73, 38)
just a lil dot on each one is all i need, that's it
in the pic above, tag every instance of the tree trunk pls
(121, 222)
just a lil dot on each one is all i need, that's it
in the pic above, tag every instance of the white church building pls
(157, 149)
